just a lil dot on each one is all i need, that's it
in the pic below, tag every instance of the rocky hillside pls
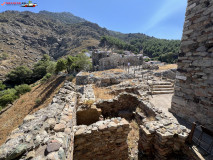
(26, 36)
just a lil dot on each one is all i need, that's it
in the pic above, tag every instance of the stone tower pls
(193, 97)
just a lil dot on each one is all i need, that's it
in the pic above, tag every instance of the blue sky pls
(158, 18)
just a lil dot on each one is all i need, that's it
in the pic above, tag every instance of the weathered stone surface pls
(196, 48)
(53, 146)
(108, 141)
(39, 132)
(59, 127)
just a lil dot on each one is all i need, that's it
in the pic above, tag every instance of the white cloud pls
(167, 8)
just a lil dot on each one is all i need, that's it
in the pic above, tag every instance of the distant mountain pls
(26, 36)
(63, 17)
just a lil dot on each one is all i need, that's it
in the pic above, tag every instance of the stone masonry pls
(106, 60)
(193, 97)
(48, 133)
(104, 140)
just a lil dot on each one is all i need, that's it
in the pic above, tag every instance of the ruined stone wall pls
(116, 60)
(105, 140)
(96, 56)
(104, 79)
(46, 134)
(106, 60)
(193, 97)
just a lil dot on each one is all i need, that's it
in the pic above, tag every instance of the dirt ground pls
(168, 66)
(39, 97)
(163, 102)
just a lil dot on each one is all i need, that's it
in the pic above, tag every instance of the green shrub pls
(42, 67)
(20, 75)
(7, 96)
(21, 89)
(3, 56)
(61, 65)
(2, 86)
(51, 68)
(146, 59)
(38, 101)
(46, 77)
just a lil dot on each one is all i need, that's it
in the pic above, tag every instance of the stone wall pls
(96, 56)
(116, 60)
(104, 79)
(105, 140)
(122, 106)
(107, 60)
(161, 137)
(46, 134)
(193, 97)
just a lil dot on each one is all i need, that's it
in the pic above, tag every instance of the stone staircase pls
(162, 88)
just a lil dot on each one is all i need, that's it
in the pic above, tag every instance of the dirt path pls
(163, 102)
(27, 104)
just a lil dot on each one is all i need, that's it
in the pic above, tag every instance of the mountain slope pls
(26, 36)
(63, 17)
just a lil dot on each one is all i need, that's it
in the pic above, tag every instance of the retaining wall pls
(46, 134)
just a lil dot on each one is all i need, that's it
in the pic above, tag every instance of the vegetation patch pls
(102, 93)
(168, 66)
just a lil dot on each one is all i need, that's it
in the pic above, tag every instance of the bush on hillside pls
(51, 68)
(7, 97)
(81, 62)
(61, 65)
(20, 75)
(168, 57)
(21, 89)
(3, 56)
(46, 77)
(40, 68)
(2, 86)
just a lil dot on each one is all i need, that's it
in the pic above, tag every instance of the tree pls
(61, 65)
(2, 86)
(81, 62)
(23, 88)
(51, 67)
(168, 57)
(40, 68)
(70, 61)
(7, 96)
(45, 57)
(20, 75)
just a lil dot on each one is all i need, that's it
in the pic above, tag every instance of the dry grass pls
(88, 103)
(168, 66)
(74, 80)
(151, 118)
(103, 73)
(86, 44)
(102, 93)
(133, 137)
(28, 104)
